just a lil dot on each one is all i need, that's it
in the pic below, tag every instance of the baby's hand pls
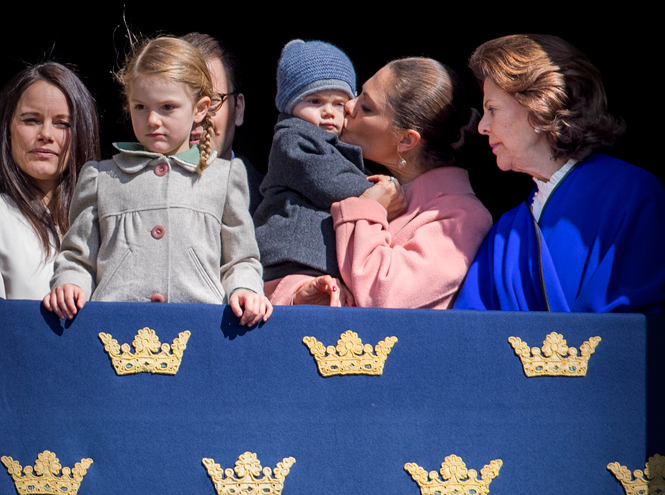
(256, 307)
(324, 290)
(65, 300)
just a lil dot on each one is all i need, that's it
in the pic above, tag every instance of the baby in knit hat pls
(309, 168)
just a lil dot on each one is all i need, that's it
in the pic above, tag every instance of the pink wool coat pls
(418, 260)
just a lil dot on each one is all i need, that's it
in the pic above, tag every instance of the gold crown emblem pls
(46, 480)
(556, 359)
(455, 479)
(246, 478)
(350, 356)
(146, 359)
(654, 470)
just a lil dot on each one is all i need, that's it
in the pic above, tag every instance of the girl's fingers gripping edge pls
(268, 309)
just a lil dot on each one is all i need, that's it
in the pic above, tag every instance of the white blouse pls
(545, 188)
(24, 274)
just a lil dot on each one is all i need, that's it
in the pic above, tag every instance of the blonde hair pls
(179, 61)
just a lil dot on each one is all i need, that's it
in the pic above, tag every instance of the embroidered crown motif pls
(146, 359)
(556, 359)
(350, 357)
(455, 479)
(246, 477)
(651, 481)
(46, 479)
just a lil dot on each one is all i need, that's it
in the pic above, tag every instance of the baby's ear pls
(201, 109)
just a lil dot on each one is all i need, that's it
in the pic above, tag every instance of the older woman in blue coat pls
(591, 235)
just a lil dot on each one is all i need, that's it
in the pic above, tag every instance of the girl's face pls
(40, 134)
(369, 121)
(163, 114)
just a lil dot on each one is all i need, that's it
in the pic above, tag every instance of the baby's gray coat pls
(309, 169)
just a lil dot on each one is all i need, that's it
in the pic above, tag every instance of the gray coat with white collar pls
(144, 224)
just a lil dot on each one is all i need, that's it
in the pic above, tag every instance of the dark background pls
(94, 38)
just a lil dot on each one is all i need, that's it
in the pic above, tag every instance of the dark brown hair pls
(83, 146)
(211, 48)
(428, 97)
(178, 61)
(558, 85)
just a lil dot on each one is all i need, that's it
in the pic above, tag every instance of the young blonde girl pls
(161, 221)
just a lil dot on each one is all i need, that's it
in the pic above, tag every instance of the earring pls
(537, 129)
(401, 163)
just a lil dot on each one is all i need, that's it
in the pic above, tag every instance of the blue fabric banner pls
(452, 384)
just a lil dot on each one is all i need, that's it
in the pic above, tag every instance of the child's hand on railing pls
(65, 300)
(250, 307)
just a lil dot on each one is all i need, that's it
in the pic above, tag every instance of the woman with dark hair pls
(49, 129)
(591, 235)
(407, 241)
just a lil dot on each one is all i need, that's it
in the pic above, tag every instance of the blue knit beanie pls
(309, 66)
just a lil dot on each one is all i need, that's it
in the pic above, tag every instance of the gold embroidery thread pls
(245, 478)
(651, 479)
(150, 355)
(350, 356)
(455, 478)
(555, 358)
(46, 479)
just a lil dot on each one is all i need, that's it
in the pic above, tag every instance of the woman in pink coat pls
(408, 241)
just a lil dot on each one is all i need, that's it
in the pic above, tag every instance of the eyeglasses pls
(218, 100)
